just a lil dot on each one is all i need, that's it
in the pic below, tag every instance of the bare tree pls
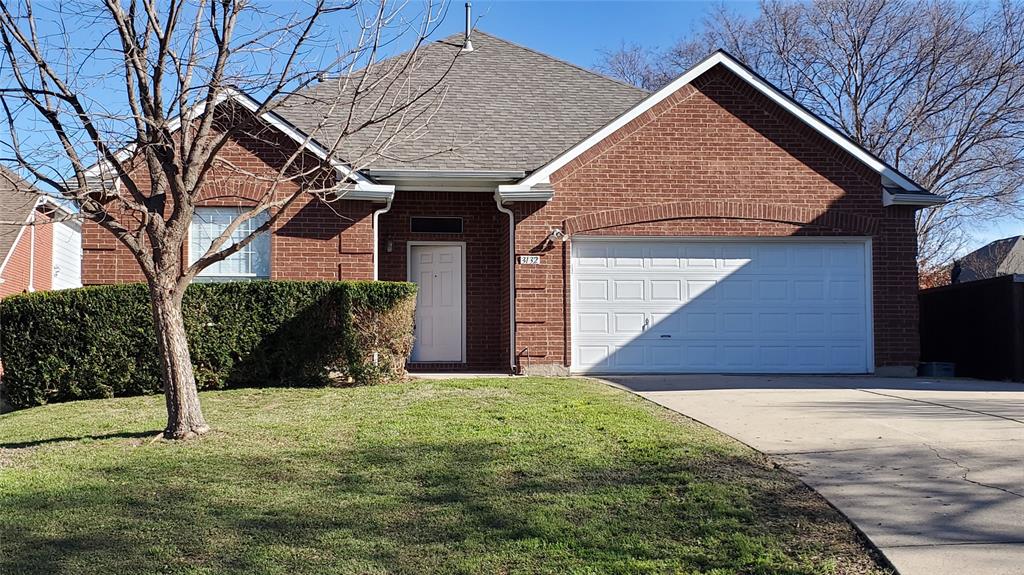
(124, 107)
(934, 87)
(635, 64)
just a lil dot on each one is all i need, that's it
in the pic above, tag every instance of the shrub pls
(98, 342)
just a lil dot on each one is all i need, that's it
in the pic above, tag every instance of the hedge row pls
(98, 342)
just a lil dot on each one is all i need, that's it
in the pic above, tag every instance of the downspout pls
(511, 281)
(376, 236)
(31, 251)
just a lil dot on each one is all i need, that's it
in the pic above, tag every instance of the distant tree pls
(124, 107)
(934, 87)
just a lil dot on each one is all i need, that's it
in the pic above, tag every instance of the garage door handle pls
(666, 336)
(647, 321)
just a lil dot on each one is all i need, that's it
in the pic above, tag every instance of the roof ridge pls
(557, 59)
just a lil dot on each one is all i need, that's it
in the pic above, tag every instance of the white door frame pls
(869, 283)
(408, 275)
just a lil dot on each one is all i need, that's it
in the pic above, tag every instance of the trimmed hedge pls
(98, 342)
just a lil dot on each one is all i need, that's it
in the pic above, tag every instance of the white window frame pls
(210, 274)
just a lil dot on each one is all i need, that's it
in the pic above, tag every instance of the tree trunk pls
(184, 415)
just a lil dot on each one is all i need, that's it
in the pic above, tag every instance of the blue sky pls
(577, 31)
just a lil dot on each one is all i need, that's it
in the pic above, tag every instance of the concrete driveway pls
(932, 471)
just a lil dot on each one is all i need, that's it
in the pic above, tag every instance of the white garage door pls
(745, 306)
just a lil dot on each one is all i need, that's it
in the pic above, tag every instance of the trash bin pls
(937, 369)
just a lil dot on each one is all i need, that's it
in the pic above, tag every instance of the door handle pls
(647, 321)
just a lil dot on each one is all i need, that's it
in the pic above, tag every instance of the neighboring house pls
(712, 226)
(40, 246)
(1000, 258)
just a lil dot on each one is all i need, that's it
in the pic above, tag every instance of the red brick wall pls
(313, 240)
(485, 232)
(16, 272)
(765, 173)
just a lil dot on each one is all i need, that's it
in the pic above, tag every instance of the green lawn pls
(461, 476)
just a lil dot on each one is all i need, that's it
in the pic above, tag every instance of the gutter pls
(445, 180)
(493, 175)
(543, 192)
(923, 200)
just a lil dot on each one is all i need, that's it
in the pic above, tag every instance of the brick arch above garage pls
(832, 221)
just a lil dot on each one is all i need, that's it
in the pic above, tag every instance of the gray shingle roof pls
(17, 199)
(500, 107)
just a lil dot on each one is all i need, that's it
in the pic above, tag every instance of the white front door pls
(437, 269)
(754, 305)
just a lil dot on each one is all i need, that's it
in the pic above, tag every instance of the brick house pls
(558, 221)
(40, 247)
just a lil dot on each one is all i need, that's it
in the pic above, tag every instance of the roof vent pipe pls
(467, 46)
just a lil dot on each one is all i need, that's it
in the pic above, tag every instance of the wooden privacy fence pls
(977, 325)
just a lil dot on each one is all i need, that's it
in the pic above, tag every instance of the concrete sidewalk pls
(932, 471)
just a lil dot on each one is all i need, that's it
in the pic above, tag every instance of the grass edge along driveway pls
(526, 475)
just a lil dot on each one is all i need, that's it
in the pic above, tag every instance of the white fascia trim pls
(446, 180)
(897, 199)
(14, 246)
(271, 118)
(53, 202)
(543, 174)
(522, 193)
(368, 192)
(21, 231)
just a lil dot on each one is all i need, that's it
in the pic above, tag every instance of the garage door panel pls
(845, 290)
(629, 323)
(700, 356)
(591, 256)
(847, 257)
(772, 259)
(664, 324)
(628, 290)
(769, 290)
(809, 324)
(700, 323)
(807, 257)
(809, 290)
(629, 357)
(593, 323)
(847, 325)
(666, 356)
(710, 306)
(737, 290)
(738, 324)
(592, 290)
(667, 290)
(774, 323)
(696, 288)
